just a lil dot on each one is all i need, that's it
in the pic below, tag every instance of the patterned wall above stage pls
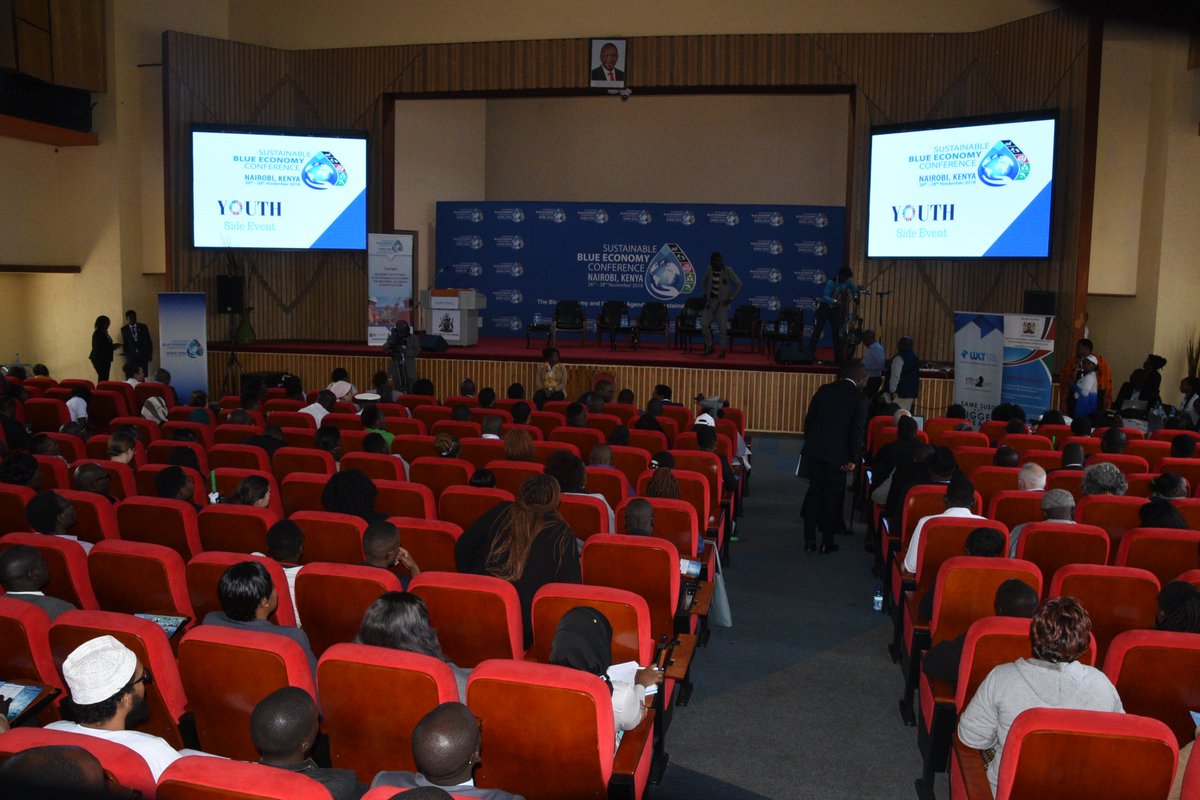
(527, 256)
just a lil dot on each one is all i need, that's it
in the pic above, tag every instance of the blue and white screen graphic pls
(973, 191)
(278, 191)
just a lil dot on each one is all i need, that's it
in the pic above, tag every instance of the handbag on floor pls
(719, 613)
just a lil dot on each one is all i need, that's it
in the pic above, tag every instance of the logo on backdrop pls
(1004, 164)
(195, 349)
(670, 273)
(323, 171)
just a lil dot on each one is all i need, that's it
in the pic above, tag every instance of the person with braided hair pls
(525, 542)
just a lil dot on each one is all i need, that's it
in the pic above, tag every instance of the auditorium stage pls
(774, 397)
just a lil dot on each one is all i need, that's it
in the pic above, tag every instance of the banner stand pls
(183, 341)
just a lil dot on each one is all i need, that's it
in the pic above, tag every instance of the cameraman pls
(403, 348)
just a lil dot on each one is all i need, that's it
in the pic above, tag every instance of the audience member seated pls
(285, 544)
(487, 397)
(466, 388)
(382, 548)
(15, 433)
(960, 503)
(520, 413)
(23, 574)
(93, 479)
(460, 412)
(77, 404)
(1006, 457)
(619, 436)
(1053, 678)
(1081, 426)
(400, 620)
(1103, 478)
(42, 445)
(21, 469)
(252, 490)
(1178, 608)
(639, 517)
(134, 374)
(1114, 441)
(571, 473)
(706, 440)
(57, 772)
(626, 397)
(593, 402)
(321, 406)
(1170, 486)
(483, 478)
(329, 439)
(605, 389)
(284, 727)
(518, 446)
(271, 439)
(121, 447)
(649, 420)
(352, 492)
(577, 415)
(583, 641)
(1031, 478)
(663, 392)
(896, 452)
(663, 484)
(1073, 457)
(515, 391)
(1058, 505)
(424, 387)
(1016, 425)
(445, 749)
(526, 542)
(1160, 513)
(1183, 446)
(446, 445)
(52, 514)
(173, 483)
(662, 460)
(108, 694)
(340, 386)
(199, 405)
(248, 598)
(491, 426)
(1014, 598)
(373, 421)
(930, 466)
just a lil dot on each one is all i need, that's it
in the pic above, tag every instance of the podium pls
(454, 314)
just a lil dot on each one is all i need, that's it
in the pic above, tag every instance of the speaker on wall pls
(229, 294)
(1041, 303)
(432, 343)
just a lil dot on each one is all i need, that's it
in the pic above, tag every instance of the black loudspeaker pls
(229, 294)
(1041, 303)
(432, 343)
(793, 354)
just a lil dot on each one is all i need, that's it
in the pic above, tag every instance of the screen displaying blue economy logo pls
(323, 171)
(1003, 164)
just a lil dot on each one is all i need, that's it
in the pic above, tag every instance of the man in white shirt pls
(323, 405)
(491, 426)
(108, 694)
(134, 374)
(960, 504)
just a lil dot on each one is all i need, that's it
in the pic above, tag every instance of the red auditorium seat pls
(1015, 507)
(234, 434)
(238, 456)
(302, 459)
(228, 478)
(144, 480)
(626, 611)
(302, 491)
(584, 439)
(1114, 514)
(477, 617)
(459, 429)
(480, 452)
(1053, 545)
(234, 528)
(1117, 599)
(1155, 675)
(969, 459)
(1164, 552)
(25, 644)
(463, 505)
(1024, 442)
(161, 451)
(45, 415)
(204, 573)
(68, 566)
(126, 767)
(511, 474)
(135, 577)
(376, 466)
(332, 598)
(159, 521)
(13, 500)
(609, 482)
(147, 431)
(411, 446)
(429, 541)
(203, 778)
(438, 473)
(336, 538)
(405, 499)
(55, 474)
(203, 433)
(586, 516)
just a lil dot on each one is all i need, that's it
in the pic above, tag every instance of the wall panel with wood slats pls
(1036, 63)
(773, 401)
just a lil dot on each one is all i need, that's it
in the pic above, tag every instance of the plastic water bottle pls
(1156, 418)
(877, 599)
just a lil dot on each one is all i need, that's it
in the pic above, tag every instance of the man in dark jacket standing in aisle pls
(833, 438)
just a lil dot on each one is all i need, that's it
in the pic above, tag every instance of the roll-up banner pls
(389, 283)
(1002, 358)
(183, 341)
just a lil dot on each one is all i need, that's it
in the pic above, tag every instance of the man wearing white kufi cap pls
(108, 692)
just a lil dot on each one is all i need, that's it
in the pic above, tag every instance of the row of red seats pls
(990, 480)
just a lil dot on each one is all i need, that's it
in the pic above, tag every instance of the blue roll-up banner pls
(183, 341)
(389, 283)
(1028, 346)
(1002, 358)
(978, 364)
(525, 256)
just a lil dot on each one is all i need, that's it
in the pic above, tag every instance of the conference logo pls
(323, 171)
(475, 270)
(775, 220)
(1004, 164)
(518, 242)
(774, 276)
(670, 273)
(732, 219)
(516, 297)
(601, 217)
(773, 303)
(195, 349)
(517, 270)
(515, 324)
(645, 218)
(687, 218)
(775, 248)
(559, 216)
(820, 249)
(397, 246)
(476, 242)
(476, 215)
(821, 220)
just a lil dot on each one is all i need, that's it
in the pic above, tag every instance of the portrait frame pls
(596, 77)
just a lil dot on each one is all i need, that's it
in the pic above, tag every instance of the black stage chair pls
(687, 325)
(747, 323)
(788, 329)
(653, 319)
(614, 318)
(568, 316)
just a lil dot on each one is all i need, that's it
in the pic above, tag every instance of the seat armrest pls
(681, 657)
(972, 771)
(633, 743)
(703, 599)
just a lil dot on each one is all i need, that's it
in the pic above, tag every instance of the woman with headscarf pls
(525, 542)
(583, 641)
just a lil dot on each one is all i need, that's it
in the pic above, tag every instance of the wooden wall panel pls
(1036, 63)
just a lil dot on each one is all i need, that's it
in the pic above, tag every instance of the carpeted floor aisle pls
(798, 698)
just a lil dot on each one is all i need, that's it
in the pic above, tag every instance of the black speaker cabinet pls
(229, 294)
(793, 354)
(433, 344)
(1040, 303)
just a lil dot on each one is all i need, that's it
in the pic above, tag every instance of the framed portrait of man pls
(607, 65)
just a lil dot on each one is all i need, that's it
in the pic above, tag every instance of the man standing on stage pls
(403, 347)
(905, 378)
(833, 438)
(721, 285)
(874, 360)
(829, 309)
(135, 341)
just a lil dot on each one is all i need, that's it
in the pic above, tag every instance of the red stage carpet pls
(652, 353)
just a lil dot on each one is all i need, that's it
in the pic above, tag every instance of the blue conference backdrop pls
(526, 256)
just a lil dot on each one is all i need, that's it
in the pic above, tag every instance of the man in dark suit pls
(607, 71)
(833, 438)
(135, 340)
(24, 574)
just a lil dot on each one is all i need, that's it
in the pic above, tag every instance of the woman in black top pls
(526, 542)
(102, 348)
